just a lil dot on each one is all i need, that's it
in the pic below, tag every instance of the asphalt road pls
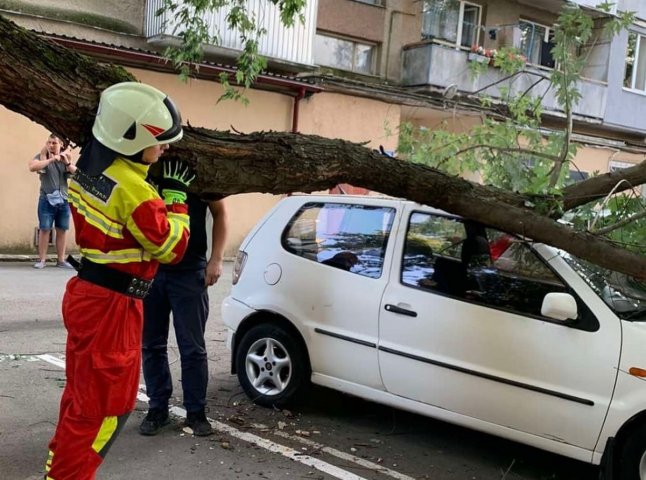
(332, 436)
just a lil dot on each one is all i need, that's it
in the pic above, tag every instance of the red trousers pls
(103, 360)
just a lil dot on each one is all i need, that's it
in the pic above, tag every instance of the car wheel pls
(272, 365)
(632, 460)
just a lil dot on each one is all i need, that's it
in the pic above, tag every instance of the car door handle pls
(401, 311)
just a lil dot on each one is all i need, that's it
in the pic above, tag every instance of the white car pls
(405, 305)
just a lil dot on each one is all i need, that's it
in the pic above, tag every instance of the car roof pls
(367, 199)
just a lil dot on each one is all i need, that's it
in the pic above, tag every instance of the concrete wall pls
(352, 19)
(625, 109)
(441, 66)
(118, 22)
(402, 26)
(637, 6)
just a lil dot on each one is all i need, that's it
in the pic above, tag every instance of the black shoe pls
(154, 421)
(197, 422)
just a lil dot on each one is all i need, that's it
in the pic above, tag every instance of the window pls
(344, 54)
(635, 74)
(348, 237)
(536, 43)
(471, 262)
(577, 176)
(453, 21)
(616, 165)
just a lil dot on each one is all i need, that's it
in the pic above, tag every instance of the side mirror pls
(559, 306)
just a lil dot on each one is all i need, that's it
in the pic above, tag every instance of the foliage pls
(509, 149)
(189, 24)
(614, 211)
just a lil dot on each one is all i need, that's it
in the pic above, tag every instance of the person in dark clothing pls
(182, 290)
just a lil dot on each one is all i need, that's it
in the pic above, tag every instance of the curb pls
(25, 257)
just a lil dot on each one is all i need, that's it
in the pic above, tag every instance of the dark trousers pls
(184, 294)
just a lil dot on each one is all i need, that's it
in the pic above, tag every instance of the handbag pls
(55, 198)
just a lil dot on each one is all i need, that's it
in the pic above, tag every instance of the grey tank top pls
(53, 177)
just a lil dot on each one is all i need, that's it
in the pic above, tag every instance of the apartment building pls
(354, 69)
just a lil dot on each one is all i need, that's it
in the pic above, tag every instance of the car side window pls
(468, 261)
(343, 236)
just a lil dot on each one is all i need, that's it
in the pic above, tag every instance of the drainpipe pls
(297, 100)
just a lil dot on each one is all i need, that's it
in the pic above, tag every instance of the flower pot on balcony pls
(475, 57)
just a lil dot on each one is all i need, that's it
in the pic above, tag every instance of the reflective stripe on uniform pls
(107, 429)
(178, 223)
(110, 429)
(48, 464)
(128, 255)
(94, 216)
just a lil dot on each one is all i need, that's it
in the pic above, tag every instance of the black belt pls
(109, 278)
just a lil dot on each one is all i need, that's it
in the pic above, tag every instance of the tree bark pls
(60, 89)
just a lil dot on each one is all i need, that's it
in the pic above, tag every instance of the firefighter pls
(123, 230)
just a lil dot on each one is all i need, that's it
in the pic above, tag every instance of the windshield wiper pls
(635, 314)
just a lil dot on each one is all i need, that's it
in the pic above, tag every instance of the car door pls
(333, 259)
(461, 329)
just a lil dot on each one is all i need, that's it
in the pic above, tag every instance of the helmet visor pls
(175, 131)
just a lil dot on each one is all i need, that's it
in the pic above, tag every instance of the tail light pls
(241, 259)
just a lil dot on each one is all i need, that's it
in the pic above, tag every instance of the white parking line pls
(53, 360)
(249, 437)
(345, 456)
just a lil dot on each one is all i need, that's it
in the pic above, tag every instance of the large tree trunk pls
(60, 89)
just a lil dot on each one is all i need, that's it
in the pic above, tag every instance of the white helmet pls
(133, 116)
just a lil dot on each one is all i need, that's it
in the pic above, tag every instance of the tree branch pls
(621, 223)
(60, 90)
(502, 150)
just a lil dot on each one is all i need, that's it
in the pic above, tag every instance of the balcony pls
(280, 44)
(557, 5)
(433, 65)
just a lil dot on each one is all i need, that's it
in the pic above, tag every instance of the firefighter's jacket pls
(121, 221)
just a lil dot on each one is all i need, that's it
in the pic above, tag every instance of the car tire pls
(272, 365)
(632, 457)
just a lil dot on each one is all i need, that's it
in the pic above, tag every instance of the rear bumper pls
(233, 313)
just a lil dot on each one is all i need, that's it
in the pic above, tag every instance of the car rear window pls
(343, 236)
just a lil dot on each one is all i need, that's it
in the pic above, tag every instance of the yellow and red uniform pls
(122, 223)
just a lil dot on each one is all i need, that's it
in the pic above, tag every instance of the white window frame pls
(638, 45)
(355, 43)
(615, 165)
(548, 30)
(458, 42)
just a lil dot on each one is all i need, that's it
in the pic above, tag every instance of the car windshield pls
(625, 295)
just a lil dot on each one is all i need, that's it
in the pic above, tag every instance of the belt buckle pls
(138, 288)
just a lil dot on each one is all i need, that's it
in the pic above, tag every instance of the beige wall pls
(325, 114)
(198, 103)
(21, 140)
(356, 119)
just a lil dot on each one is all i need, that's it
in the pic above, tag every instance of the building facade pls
(353, 69)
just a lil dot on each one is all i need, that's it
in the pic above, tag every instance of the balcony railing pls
(593, 4)
(293, 45)
(440, 66)
(555, 6)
